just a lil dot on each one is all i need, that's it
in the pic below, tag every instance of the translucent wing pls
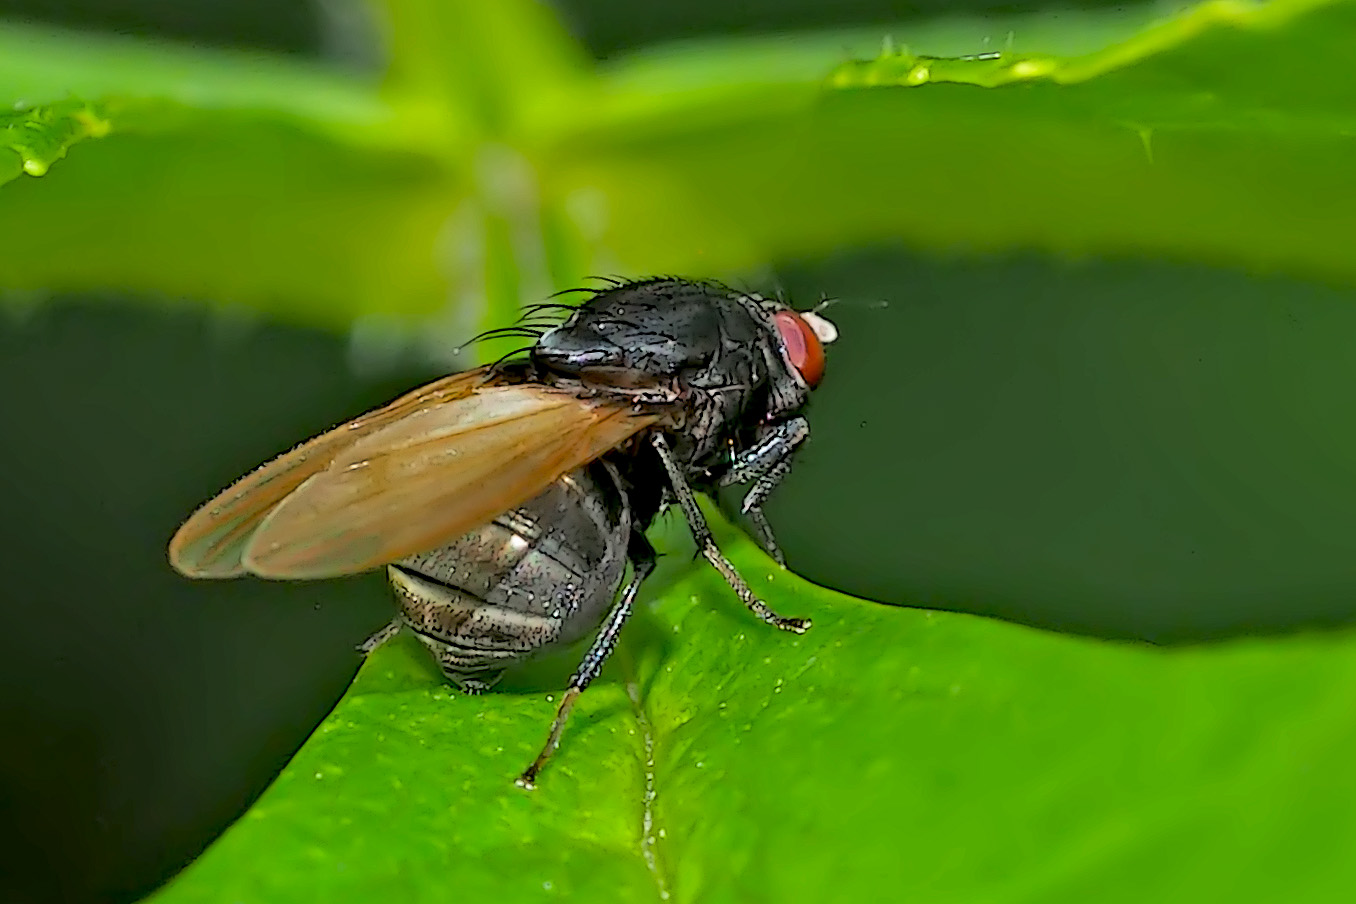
(212, 541)
(432, 475)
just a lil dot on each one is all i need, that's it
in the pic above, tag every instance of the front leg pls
(706, 544)
(766, 463)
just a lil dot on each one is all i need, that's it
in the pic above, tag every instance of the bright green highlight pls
(40, 136)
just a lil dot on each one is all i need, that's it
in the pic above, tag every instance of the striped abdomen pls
(543, 573)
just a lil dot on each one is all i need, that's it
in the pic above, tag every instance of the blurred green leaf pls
(44, 65)
(951, 758)
(281, 220)
(489, 66)
(240, 178)
(945, 757)
(307, 192)
(494, 166)
(1219, 135)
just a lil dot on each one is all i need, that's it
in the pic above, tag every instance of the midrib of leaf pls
(471, 76)
(488, 64)
(650, 831)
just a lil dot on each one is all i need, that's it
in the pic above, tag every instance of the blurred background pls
(1129, 448)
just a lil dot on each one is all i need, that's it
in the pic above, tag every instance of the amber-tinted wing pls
(211, 542)
(432, 475)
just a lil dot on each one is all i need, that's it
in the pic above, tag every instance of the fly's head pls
(792, 348)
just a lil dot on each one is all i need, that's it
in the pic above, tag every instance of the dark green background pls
(1132, 448)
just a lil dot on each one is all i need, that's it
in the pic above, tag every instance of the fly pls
(509, 503)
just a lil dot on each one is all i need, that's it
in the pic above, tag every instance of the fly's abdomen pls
(540, 574)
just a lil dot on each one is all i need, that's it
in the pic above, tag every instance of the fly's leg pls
(472, 684)
(702, 534)
(383, 635)
(773, 448)
(753, 508)
(642, 557)
(766, 463)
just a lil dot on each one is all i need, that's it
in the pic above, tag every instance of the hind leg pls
(381, 636)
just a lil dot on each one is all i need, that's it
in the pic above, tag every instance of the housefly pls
(506, 502)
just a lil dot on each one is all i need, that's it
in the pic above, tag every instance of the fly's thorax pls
(715, 364)
(642, 332)
(708, 355)
(656, 333)
(540, 574)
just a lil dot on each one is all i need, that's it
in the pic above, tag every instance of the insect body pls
(541, 574)
(508, 501)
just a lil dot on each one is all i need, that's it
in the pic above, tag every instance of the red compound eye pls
(803, 348)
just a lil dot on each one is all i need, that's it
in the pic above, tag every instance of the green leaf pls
(947, 757)
(1219, 135)
(274, 184)
(43, 65)
(944, 757)
(243, 179)
(283, 220)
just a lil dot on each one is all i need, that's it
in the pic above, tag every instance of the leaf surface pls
(945, 757)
